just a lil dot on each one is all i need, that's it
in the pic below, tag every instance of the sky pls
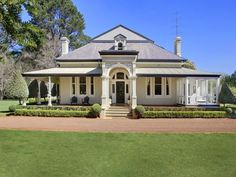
(207, 27)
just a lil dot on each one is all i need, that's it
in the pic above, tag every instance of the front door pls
(120, 92)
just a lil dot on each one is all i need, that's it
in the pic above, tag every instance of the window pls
(167, 86)
(82, 85)
(120, 46)
(120, 75)
(158, 86)
(127, 88)
(73, 85)
(92, 86)
(149, 86)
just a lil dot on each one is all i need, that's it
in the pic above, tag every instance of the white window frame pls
(163, 87)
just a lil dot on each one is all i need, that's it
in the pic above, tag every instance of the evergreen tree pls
(226, 96)
(18, 31)
(56, 18)
(43, 90)
(17, 87)
(33, 89)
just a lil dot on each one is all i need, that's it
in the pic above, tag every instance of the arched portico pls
(118, 84)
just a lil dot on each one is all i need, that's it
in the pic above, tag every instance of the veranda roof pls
(64, 72)
(174, 72)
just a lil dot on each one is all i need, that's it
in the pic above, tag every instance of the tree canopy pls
(15, 30)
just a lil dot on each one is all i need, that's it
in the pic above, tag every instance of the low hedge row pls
(50, 113)
(184, 114)
(12, 108)
(150, 108)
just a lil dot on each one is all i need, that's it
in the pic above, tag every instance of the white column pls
(49, 91)
(39, 93)
(217, 90)
(134, 89)
(211, 91)
(206, 91)
(134, 94)
(104, 92)
(186, 90)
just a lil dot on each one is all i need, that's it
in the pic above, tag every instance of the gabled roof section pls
(120, 29)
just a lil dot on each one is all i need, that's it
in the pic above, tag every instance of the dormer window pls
(120, 42)
(120, 46)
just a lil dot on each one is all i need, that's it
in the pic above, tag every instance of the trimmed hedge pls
(50, 113)
(185, 114)
(65, 108)
(157, 108)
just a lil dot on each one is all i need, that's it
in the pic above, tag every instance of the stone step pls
(118, 111)
(118, 115)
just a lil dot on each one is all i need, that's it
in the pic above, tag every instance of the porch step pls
(118, 111)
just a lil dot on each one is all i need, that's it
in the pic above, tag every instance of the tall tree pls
(15, 30)
(57, 18)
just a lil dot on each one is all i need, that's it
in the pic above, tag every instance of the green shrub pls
(50, 113)
(180, 108)
(139, 111)
(95, 111)
(68, 108)
(229, 110)
(13, 108)
(185, 114)
(17, 87)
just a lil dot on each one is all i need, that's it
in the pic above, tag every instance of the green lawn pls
(4, 104)
(67, 154)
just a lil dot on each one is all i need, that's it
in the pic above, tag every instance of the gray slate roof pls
(147, 51)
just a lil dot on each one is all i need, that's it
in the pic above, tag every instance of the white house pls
(125, 67)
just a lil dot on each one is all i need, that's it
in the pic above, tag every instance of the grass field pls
(51, 154)
(4, 104)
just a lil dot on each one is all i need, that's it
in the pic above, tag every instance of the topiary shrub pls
(13, 108)
(139, 111)
(95, 111)
(33, 89)
(17, 87)
(229, 110)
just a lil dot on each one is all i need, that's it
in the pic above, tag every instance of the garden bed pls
(57, 111)
(180, 112)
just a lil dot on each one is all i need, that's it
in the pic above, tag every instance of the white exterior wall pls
(64, 85)
(66, 91)
(143, 99)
